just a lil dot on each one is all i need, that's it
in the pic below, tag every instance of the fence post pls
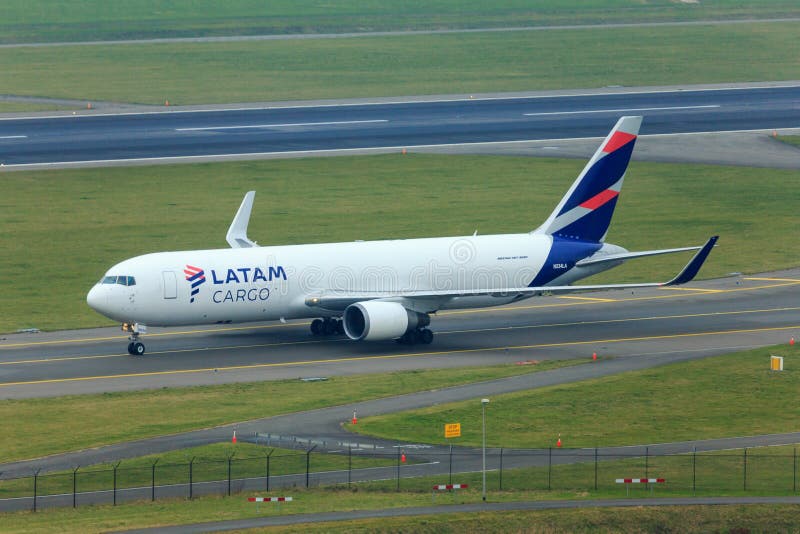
(115, 482)
(595, 468)
(549, 465)
(450, 481)
(501, 468)
(308, 462)
(35, 487)
(153, 480)
(694, 470)
(230, 459)
(398, 469)
(794, 472)
(268, 457)
(744, 469)
(349, 464)
(75, 486)
(191, 463)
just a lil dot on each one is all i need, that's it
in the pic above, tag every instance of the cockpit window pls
(121, 280)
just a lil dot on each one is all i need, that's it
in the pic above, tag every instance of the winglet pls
(690, 271)
(237, 233)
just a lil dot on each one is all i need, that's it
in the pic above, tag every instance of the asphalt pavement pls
(386, 125)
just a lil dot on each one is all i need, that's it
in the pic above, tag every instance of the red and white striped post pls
(278, 500)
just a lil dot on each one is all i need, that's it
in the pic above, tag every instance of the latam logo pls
(197, 277)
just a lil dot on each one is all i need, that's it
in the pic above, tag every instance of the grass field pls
(195, 73)
(791, 139)
(760, 518)
(93, 221)
(11, 107)
(38, 427)
(48, 20)
(724, 396)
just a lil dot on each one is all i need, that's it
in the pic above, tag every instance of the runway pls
(293, 130)
(701, 319)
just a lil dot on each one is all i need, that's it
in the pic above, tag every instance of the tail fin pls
(585, 211)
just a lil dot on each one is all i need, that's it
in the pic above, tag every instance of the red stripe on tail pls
(617, 140)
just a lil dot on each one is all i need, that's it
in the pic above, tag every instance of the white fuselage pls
(268, 283)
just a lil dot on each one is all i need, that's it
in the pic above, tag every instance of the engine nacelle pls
(378, 320)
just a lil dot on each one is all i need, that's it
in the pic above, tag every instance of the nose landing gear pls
(135, 347)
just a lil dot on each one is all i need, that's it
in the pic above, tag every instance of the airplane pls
(384, 290)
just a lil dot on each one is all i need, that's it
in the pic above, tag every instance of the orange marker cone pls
(791, 342)
(594, 356)
(355, 419)
(88, 105)
(404, 152)
(403, 457)
(558, 443)
(234, 437)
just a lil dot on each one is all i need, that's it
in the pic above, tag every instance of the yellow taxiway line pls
(581, 301)
(393, 356)
(444, 332)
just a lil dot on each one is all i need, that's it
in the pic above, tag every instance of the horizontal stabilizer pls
(598, 259)
(237, 233)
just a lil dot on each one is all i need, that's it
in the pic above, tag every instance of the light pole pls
(484, 402)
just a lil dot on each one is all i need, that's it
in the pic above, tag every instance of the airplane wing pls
(340, 301)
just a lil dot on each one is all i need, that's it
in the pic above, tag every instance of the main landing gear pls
(135, 347)
(327, 327)
(413, 337)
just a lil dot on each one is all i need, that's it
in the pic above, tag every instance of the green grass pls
(686, 519)
(762, 518)
(38, 427)
(724, 396)
(49, 20)
(92, 221)
(793, 140)
(11, 107)
(190, 73)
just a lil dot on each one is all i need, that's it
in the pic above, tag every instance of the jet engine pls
(378, 320)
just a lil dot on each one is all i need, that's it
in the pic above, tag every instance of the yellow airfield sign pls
(452, 430)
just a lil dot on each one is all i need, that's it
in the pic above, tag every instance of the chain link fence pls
(411, 468)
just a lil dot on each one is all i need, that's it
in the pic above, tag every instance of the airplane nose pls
(97, 299)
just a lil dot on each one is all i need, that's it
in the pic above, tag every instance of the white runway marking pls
(13, 136)
(286, 125)
(618, 110)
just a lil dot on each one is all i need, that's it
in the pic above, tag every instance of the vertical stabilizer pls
(585, 211)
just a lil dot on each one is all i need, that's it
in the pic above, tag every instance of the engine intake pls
(380, 320)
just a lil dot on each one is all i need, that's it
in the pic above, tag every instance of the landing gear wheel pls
(327, 327)
(316, 327)
(130, 348)
(138, 349)
(425, 336)
(412, 337)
